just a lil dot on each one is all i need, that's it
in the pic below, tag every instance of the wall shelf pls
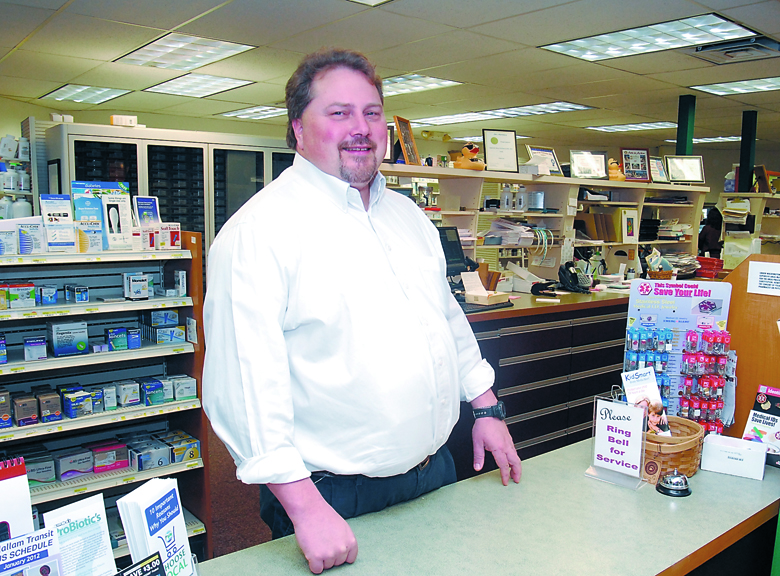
(72, 309)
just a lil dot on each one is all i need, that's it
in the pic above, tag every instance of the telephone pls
(571, 279)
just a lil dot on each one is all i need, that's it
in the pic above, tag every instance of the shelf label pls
(5, 317)
(80, 490)
(178, 350)
(38, 260)
(198, 530)
(17, 369)
(92, 310)
(128, 480)
(56, 313)
(29, 314)
(193, 465)
(7, 437)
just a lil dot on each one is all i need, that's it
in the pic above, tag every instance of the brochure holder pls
(618, 443)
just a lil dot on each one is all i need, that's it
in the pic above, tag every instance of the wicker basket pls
(660, 274)
(682, 450)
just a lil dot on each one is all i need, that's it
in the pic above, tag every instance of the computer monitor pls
(453, 250)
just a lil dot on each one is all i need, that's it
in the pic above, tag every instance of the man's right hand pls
(324, 537)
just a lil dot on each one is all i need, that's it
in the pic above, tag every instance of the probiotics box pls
(35, 348)
(21, 295)
(77, 404)
(50, 406)
(72, 462)
(5, 409)
(128, 393)
(25, 410)
(67, 338)
(111, 455)
(116, 338)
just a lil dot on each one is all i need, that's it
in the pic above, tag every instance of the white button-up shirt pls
(332, 339)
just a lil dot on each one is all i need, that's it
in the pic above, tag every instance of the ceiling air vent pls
(744, 50)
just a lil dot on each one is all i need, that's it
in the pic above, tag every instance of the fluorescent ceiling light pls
(633, 127)
(257, 112)
(413, 83)
(712, 139)
(499, 113)
(479, 138)
(85, 94)
(742, 87)
(182, 52)
(371, 2)
(197, 85)
(695, 31)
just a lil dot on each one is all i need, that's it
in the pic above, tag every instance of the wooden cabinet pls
(102, 273)
(548, 369)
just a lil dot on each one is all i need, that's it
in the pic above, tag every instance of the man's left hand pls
(491, 434)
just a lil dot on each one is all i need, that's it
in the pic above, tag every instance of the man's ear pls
(298, 131)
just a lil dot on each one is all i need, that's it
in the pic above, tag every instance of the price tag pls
(128, 480)
(178, 350)
(5, 317)
(80, 490)
(29, 315)
(198, 530)
(92, 310)
(7, 437)
(193, 465)
(17, 369)
(39, 260)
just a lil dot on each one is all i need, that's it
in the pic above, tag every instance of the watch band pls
(496, 411)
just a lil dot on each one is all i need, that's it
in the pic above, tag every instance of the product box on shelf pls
(136, 285)
(109, 455)
(77, 404)
(35, 348)
(30, 238)
(128, 393)
(67, 338)
(133, 338)
(152, 392)
(184, 449)
(3, 294)
(184, 387)
(46, 295)
(9, 242)
(72, 462)
(76, 293)
(733, 456)
(25, 410)
(21, 295)
(116, 338)
(109, 397)
(164, 334)
(170, 236)
(6, 421)
(97, 399)
(40, 467)
(157, 318)
(145, 455)
(180, 282)
(50, 406)
(3, 350)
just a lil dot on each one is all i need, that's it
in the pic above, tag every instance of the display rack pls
(102, 274)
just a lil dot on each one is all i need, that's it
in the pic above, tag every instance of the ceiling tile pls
(260, 64)
(26, 87)
(763, 17)
(578, 92)
(45, 4)
(463, 14)
(618, 101)
(263, 23)
(19, 21)
(442, 49)
(362, 32)
(38, 66)
(85, 37)
(257, 94)
(657, 62)
(144, 102)
(585, 18)
(724, 73)
(125, 76)
(165, 14)
(465, 94)
(200, 107)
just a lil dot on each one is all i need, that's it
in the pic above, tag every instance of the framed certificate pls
(687, 169)
(636, 164)
(548, 156)
(587, 164)
(406, 138)
(500, 150)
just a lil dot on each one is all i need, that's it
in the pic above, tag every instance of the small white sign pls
(618, 443)
(764, 278)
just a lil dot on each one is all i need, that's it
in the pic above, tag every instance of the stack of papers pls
(154, 522)
(736, 211)
(673, 230)
(685, 263)
(512, 233)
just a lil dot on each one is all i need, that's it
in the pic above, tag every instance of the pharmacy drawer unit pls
(548, 367)
(102, 273)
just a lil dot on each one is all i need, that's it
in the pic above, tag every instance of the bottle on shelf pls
(506, 198)
(6, 208)
(23, 152)
(22, 208)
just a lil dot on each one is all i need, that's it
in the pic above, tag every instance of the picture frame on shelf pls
(761, 180)
(588, 164)
(658, 170)
(406, 138)
(390, 142)
(500, 150)
(636, 164)
(685, 169)
(548, 157)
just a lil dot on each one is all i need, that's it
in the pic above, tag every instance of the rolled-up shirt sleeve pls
(246, 378)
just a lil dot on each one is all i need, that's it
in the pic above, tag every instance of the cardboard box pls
(25, 410)
(21, 295)
(40, 468)
(128, 393)
(67, 338)
(150, 454)
(116, 338)
(46, 295)
(3, 350)
(72, 462)
(733, 456)
(5, 409)
(110, 455)
(489, 298)
(50, 406)
(77, 404)
(35, 348)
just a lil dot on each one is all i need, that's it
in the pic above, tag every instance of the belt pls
(424, 464)
(318, 475)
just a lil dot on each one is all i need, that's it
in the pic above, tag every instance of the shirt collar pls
(335, 188)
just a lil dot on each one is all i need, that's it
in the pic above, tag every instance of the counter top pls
(528, 305)
(556, 521)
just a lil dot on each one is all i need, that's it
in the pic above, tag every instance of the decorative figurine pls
(468, 158)
(615, 173)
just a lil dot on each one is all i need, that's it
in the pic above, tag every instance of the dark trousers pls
(354, 495)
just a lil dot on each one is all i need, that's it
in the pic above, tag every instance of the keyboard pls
(471, 308)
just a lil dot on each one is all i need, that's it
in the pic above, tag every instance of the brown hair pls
(298, 91)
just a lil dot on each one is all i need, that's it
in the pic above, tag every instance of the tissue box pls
(733, 456)
(489, 298)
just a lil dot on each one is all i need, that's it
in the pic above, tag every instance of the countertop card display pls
(31, 554)
(58, 222)
(763, 423)
(151, 566)
(618, 447)
(679, 304)
(82, 531)
(147, 211)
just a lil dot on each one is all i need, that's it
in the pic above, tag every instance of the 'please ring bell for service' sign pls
(618, 447)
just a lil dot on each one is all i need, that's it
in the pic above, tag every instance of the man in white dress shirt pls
(336, 356)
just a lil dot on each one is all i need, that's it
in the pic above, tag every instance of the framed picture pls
(761, 180)
(547, 157)
(636, 164)
(390, 142)
(687, 169)
(587, 164)
(658, 170)
(500, 150)
(406, 138)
